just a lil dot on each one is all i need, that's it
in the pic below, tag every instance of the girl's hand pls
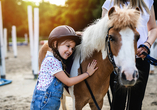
(141, 50)
(91, 68)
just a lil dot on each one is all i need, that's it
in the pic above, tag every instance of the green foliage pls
(76, 13)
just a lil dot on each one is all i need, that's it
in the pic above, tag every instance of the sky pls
(57, 2)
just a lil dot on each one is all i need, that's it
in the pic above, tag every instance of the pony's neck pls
(94, 37)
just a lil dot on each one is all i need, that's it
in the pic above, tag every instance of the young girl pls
(148, 34)
(49, 88)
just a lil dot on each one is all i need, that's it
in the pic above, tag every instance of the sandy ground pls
(17, 95)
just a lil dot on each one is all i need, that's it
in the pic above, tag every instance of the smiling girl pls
(52, 77)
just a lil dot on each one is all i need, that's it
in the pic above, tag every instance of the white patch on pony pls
(74, 72)
(126, 56)
(94, 37)
(104, 54)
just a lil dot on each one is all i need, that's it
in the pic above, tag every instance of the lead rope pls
(149, 59)
(91, 93)
(128, 98)
(113, 97)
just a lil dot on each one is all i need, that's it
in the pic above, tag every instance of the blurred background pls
(75, 13)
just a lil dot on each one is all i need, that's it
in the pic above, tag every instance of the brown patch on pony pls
(117, 41)
(42, 52)
(137, 36)
(99, 82)
(121, 18)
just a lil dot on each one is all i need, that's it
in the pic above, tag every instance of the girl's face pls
(66, 48)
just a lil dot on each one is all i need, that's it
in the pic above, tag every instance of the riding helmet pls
(63, 32)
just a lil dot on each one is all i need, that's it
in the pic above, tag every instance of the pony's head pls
(122, 42)
(120, 26)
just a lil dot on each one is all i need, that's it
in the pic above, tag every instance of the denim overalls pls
(49, 99)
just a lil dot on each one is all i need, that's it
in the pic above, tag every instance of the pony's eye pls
(111, 38)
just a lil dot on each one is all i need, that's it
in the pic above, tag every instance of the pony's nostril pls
(123, 76)
(135, 74)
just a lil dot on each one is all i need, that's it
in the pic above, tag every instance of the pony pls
(112, 41)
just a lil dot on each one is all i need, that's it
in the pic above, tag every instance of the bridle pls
(116, 71)
(110, 54)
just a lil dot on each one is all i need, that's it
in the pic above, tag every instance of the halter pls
(110, 54)
(116, 70)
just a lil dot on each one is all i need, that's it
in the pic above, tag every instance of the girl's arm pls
(91, 68)
(152, 33)
(152, 28)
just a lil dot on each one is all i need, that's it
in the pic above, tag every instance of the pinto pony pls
(112, 41)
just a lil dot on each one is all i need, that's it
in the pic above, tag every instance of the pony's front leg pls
(93, 106)
(79, 103)
(63, 102)
(78, 107)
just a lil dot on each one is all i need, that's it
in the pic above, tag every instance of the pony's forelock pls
(122, 18)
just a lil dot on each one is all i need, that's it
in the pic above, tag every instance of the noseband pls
(110, 54)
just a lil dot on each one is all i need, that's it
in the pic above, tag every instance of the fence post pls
(36, 41)
(30, 28)
(14, 41)
(5, 42)
(2, 57)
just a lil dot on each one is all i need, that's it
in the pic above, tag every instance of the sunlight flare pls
(57, 2)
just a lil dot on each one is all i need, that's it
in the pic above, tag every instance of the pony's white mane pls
(94, 38)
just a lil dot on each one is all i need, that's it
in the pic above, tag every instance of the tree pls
(80, 13)
(15, 13)
(76, 13)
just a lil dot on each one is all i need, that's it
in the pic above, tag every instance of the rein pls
(91, 93)
(149, 59)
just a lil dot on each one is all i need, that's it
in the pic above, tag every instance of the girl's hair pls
(133, 4)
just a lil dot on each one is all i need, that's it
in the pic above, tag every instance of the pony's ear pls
(137, 9)
(111, 11)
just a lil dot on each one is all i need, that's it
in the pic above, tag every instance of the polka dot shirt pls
(49, 67)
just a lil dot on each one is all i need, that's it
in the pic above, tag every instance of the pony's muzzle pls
(128, 80)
